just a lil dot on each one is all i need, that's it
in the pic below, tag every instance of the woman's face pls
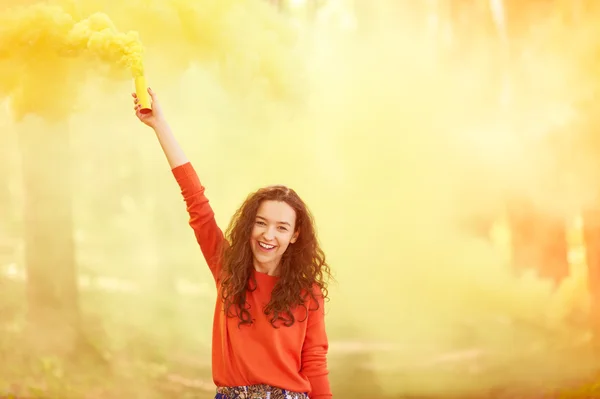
(274, 230)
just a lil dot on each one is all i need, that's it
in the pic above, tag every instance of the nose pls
(269, 234)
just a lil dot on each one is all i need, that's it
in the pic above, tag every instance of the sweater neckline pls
(264, 276)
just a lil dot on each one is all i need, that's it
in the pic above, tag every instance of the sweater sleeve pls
(314, 353)
(202, 218)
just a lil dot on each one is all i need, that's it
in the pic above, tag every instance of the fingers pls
(137, 107)
(139, 115)
(136, 101)
(152, 94)
(138, 111)
(150, 91)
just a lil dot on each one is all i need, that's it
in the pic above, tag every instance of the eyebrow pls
(265, 219)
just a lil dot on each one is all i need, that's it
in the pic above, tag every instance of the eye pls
(283, 228)
(260, 223)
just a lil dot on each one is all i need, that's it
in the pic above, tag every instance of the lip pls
(265, 249)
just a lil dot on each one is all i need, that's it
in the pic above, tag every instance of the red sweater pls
(292, 358)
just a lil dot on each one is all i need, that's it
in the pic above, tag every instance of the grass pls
(136, 356)
(152, 347)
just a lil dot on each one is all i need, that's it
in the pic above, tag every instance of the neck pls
(271, 269)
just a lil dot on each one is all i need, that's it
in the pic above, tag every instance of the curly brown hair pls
(303, 268)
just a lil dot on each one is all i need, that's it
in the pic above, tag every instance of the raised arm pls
(173, 151)
(202, 218)
(156, 120)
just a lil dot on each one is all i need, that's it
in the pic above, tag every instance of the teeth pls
(265, 246)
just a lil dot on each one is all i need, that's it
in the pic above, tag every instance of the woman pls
(269, 338)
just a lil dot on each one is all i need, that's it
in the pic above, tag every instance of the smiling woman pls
(269, 337)
(274, 229)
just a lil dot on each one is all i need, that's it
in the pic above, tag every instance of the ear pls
(295, 237)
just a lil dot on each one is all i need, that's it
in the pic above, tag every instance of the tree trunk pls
(52, 294)
(6, 200)
(539, 242)
(591, 234)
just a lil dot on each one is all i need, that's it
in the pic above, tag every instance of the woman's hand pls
(152, 119)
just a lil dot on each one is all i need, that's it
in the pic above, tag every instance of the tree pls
(53, 312)
(7, 148)
(48, 226)
(41, 81)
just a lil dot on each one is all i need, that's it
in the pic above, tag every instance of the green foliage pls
(158, 346)
(139, 355)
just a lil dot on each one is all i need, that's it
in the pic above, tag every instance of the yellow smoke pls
(426, 141)
(392, 146)
(244, 44)
(40, 43)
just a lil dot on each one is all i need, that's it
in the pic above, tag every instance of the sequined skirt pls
(257, 392)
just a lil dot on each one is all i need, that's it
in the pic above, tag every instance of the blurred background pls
(447, 148)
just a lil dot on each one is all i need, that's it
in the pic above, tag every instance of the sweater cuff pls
(319, 387)
(184, 172)
(187, 179)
